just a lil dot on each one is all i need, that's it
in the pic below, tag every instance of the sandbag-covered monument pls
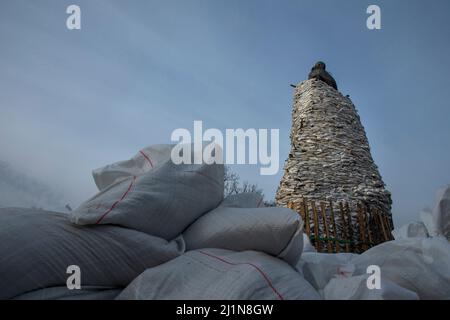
(330, 177)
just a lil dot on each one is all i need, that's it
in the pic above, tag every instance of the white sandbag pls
(414, 229)
(161, 202)
(243, 200)
(319, 268)
(307, 246)
(276, 231)
(441, 212)
(63, 293)
(145, 160)
(421, 265)
(355, 288)
(426, 216)
(221, 275)
(36, 248)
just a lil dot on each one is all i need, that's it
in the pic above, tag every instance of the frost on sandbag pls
(221, 275)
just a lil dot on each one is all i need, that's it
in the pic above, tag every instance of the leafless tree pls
(233, 184)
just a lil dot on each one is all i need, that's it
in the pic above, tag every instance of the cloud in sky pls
(71, 101)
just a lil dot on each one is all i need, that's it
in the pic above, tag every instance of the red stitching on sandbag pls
(250, 264)
(147, 157)
(117, 202)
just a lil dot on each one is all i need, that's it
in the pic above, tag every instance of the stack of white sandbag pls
(412, 268)
(36, 249)
(157, 230)
(245, 236)
(154, 216)
(236, 251)
(130, 225)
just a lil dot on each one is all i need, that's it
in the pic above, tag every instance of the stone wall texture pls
(330, 157)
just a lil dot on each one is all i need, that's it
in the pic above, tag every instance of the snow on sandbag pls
(275, 231)
(320, 268)
(243, 200)
(145, 160)
(441, 212)
(414, 229)
(36, 248)
(161, 202)
(421, 265)
(355, 288)
(221, 275)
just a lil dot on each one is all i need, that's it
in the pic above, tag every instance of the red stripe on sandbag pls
(250, 264)
(117, 202)
(147, 157)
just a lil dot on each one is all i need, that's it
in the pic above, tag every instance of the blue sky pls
(71, 101)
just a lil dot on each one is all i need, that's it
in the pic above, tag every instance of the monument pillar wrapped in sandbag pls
(330, 162)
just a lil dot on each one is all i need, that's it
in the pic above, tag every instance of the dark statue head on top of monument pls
(318, 72)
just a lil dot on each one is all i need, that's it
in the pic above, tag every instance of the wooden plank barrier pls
(360, 227)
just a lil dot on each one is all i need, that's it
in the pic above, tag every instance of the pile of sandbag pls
(148, 218)
(157, 230)
(36, 248)
(416, 265)
(414, 268)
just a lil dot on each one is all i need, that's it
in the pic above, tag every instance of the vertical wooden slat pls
(349, 227)
(388, 223)
(301, 209)
(378, 236)
(344, 227)
(316, 226)
(388, 226)
(333, 221)
(361, 228)
(307, 219)
(368, 225)
(372, 224)
(383, 229)
(323, 211)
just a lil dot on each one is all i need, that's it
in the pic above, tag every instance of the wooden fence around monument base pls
(335, 227)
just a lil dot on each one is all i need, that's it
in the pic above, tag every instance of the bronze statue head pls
(319, 65)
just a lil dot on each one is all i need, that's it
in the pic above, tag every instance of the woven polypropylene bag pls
(161, 202)
(221, 275)
(37, 247)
